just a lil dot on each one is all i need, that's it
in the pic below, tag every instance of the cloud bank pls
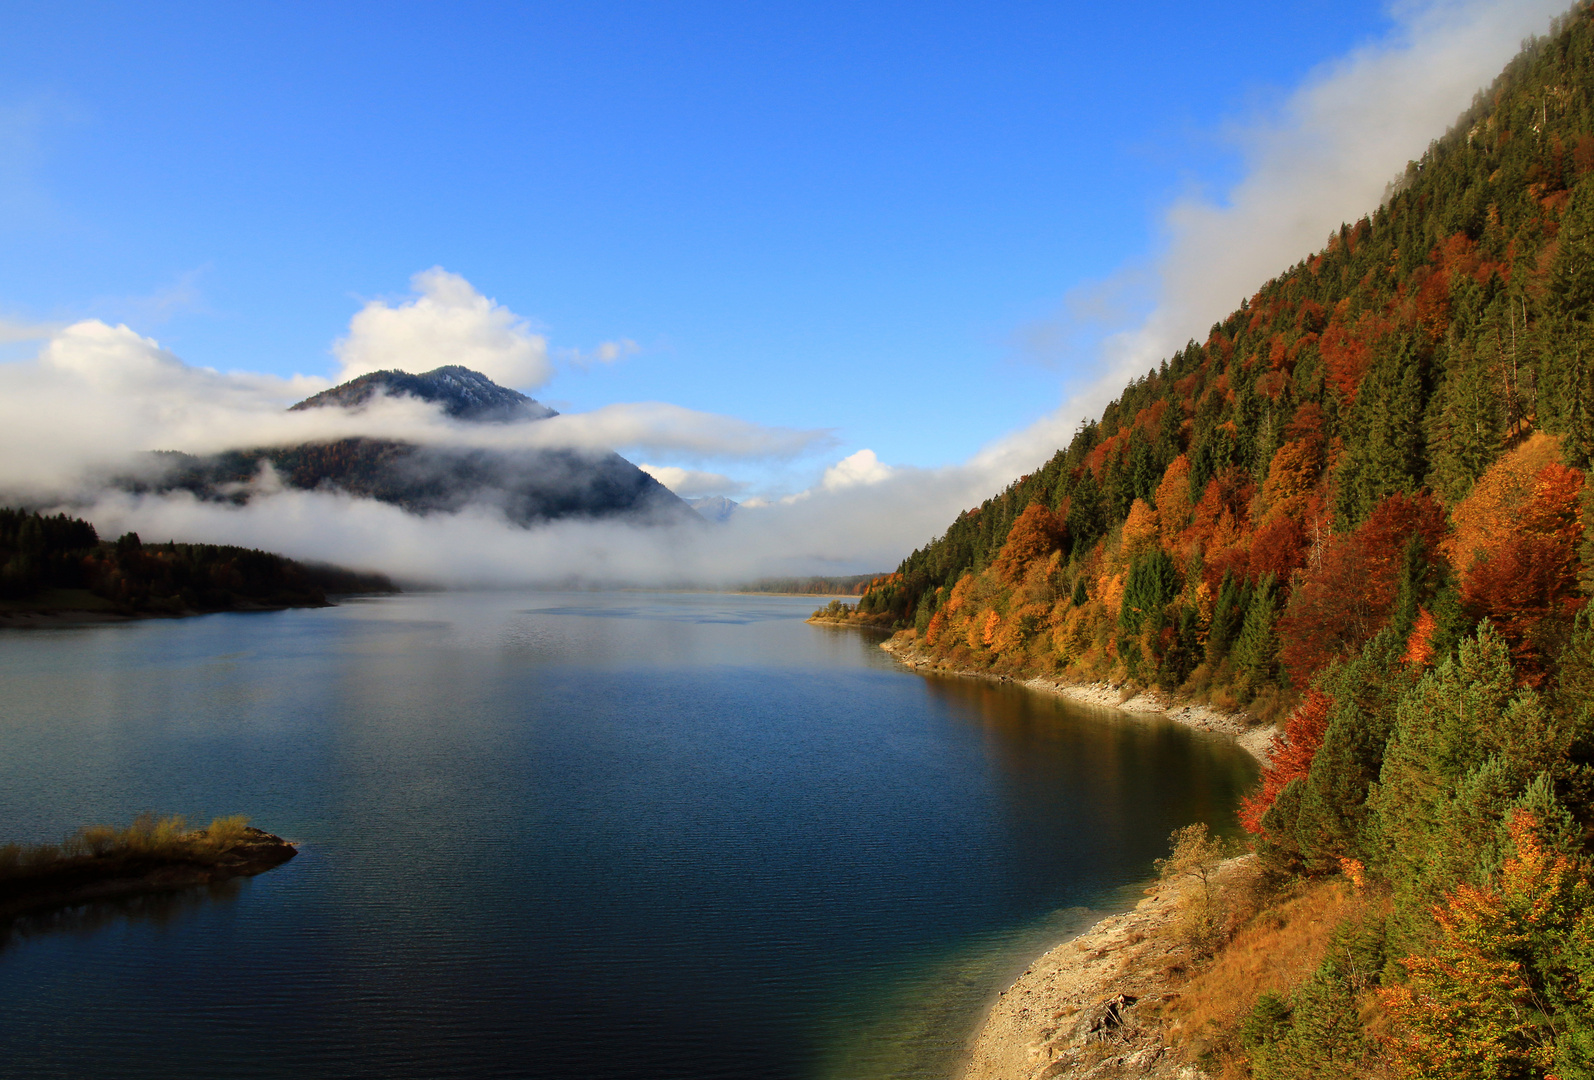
(692, 483)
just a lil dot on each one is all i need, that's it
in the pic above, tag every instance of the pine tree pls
(1568, 391)
(1387, 448)
(1467, 745)
(1464, 424)
(1256, 650)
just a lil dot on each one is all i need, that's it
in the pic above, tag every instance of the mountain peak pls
(463, 394)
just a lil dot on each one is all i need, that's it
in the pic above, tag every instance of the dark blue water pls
(576, 835)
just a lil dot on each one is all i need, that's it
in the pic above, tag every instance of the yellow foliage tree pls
(1492, 507)
(1140, 529)
(1173, 500)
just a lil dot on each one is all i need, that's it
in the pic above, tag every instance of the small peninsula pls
(149, 856)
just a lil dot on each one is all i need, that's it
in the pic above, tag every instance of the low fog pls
(97, 397)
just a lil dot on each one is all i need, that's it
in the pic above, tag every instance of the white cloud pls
(96, 395)
(607, 352)
(855, 470)
(15, 330)
(692, 483)
(657, 426)
(447, 322)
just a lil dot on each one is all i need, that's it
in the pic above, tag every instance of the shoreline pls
(1255, 739)
(1086, 1005)
(44, 617)
(1077, 1008)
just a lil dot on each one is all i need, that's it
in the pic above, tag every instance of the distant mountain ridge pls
(714, 507)
(463, 393)
(529, 486)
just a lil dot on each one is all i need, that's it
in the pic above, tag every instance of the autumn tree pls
(1289, 758)
(1507, 988)
(1350, 594)
(1036, 534)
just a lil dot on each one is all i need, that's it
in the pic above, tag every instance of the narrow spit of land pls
(100, 863)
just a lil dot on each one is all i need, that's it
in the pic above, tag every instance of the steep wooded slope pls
(1359, 501)
(1264, 484)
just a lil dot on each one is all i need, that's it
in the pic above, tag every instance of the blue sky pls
(818, 216)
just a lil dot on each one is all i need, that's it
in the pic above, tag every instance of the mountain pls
(1359, 506)
(528, 485)
(463, 393)
(714, 507)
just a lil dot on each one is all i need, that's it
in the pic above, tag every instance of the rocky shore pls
(1088, 1008)
(1256, 739)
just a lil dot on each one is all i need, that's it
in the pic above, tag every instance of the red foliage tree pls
(1348, 349)
(1529, 573)
(1347, 597)
(1278, 548)
(1291, 757)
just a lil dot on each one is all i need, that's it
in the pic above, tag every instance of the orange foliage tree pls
(1173, 500)
(1483, 1000)
(1492, 507)
(1526, 571)
(1036, 534)
(1419, 645)
(1140, 529)
(1292, 478)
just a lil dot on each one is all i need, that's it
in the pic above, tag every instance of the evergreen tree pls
(1152, 583)
(1568, 389)
(1386, 450)
(1330, 822)
(1087, 516)
(1256, 650)
(1464, 425)
(1466, 746)
(1228, 616)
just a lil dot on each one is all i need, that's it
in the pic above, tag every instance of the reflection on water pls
(159, 909)
(627, 835)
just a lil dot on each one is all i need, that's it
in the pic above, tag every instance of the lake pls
(597, 835)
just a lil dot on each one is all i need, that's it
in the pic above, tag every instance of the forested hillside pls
(60, 563)
(1402, 416)
(1359, 504)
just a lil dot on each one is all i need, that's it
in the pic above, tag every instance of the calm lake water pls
(563, 835)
